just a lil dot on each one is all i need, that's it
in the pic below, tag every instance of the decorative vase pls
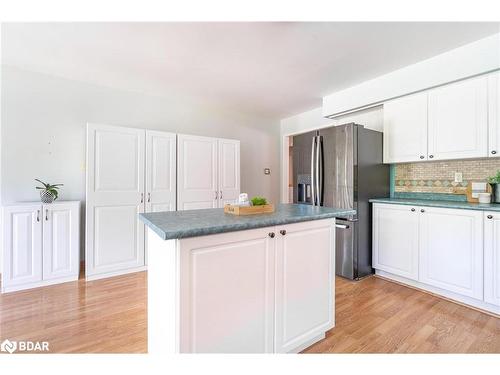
(46, 196)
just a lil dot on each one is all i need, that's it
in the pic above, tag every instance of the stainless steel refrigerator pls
(342, 167)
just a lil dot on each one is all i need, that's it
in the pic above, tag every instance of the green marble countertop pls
(193, 223)
(439, 203)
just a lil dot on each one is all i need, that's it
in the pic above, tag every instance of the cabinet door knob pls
(421, 156)
(431, 156)
(412, 210)
(283, 232)
(493, 152)
(271, 234)
(422, 210)
(490, 216)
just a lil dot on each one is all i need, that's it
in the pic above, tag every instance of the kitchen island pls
(219, 283)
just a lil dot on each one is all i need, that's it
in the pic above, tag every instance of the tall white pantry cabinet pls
(131, 171)
(40, 244)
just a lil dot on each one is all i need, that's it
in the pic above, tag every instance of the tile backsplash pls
(439, 177)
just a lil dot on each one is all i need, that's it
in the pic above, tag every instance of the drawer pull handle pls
(271, 234)
(490, 216)
(493, 152)
(422, 210)
(431, 156)
(38, 215)
(421, 156)
(412, 210)
(283, 232)
(46, 214)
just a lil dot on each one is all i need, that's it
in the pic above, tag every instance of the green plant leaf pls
(259, 201)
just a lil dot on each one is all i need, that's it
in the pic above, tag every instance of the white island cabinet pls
(266, 289)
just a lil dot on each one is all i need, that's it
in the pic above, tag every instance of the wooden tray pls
(248, 210)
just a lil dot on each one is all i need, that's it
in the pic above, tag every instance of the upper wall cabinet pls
(405, 129)
(458, 120)
(449, 122)
(494, 114)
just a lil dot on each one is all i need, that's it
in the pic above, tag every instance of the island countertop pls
(193, 223)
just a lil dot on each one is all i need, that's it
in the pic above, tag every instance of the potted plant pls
(48, 192)
(494, 181)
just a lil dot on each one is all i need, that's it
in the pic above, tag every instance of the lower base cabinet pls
(492, 258)
(451, 250)
(458, 251)
(272, 289)
(41, 244)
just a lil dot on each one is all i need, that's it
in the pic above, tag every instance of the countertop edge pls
(197, 232)
(438, 204)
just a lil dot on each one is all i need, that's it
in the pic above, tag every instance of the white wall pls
(43, 132)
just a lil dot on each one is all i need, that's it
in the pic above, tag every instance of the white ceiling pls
(274, 69)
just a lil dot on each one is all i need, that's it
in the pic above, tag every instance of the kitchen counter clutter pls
(447, 248)
(192, 223)
(440, 203)
(219, 283)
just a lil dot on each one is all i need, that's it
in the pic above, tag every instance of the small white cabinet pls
(61, 240)
(451, 250)
(405, 129)
(40, 244)
(492, 258)
(395, 239)
(208, 172)
(305, 273)
(458, 120)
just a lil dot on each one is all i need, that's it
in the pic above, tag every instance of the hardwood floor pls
(102, 316)
(378, 316)
(372, 316)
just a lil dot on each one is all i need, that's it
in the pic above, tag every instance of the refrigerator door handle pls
(313, 198)
(320, 171)
(317, 170)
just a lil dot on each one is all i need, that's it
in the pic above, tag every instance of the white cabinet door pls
(395, 239)
(494, 114)
(305, 283)
(22, 245)
(115, 196)
(229, 171)
(492, 258)
(451, 250)
(197, 180)
(230, 276)
(160, 171)
(458, 120)
(405, 129)
(61, 240)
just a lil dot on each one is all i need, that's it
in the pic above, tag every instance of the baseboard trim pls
(468, 302)
(114, 273)
(38, 284)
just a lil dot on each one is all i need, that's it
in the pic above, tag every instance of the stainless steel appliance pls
(343, 168)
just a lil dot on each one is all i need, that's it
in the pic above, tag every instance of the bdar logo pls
(8, 346)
